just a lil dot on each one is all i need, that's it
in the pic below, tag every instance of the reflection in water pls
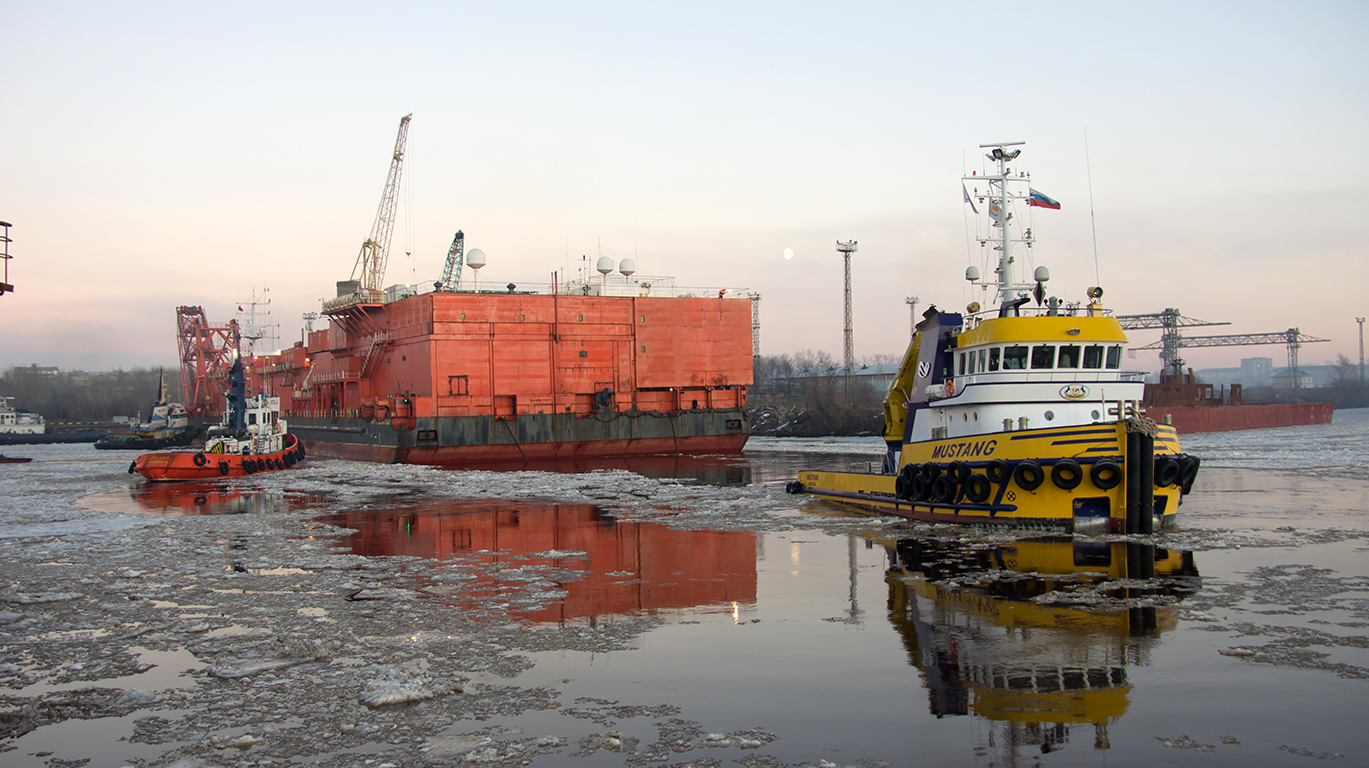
(211, 498)
(604, 567)
(1032, 637)
(709, 469)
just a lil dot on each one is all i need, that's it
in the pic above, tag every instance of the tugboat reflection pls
(212, 498)
(1032, 637)
(603, 566)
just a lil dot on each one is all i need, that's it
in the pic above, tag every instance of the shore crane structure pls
(1169, 321)
(451, 273)
(846, 248)
(375, 251)
(1292, 338)
(5, 286)
(206, 353)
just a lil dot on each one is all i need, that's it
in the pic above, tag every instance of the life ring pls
(950, 387)
(200, 460)
(132, 466)
(958, 470)
(1105, 474)
(1188, 472)
(930, 470)
(1166, 471)
(1066, 474)
(977, 489)
(945, 489)
(1028, 475)
(223, 467)
(997, 471)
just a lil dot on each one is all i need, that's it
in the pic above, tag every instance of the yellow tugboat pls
(1020, 414)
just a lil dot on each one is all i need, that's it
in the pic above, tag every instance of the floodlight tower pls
(1360, 320)
(912, 316)
(847, 248)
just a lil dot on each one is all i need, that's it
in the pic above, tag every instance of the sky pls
(1209, 157)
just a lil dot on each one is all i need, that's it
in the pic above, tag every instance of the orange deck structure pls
(467, 378)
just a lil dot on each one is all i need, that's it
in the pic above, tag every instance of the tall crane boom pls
(375, 251)
(451, 274)
(1293, 338)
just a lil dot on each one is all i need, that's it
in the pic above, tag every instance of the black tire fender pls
(1028, 475)
(997, 471)
(1166, 471)
(958, 470)
(1105, 474)
(921, 487)
(133, 466)
(945, 489)
(223, 467)
(1067, 474)
(200, 459)
(1188, 473)
(977, 489)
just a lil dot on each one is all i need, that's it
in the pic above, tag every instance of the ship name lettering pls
(963, 450)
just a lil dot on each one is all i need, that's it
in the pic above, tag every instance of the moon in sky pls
(788, 254)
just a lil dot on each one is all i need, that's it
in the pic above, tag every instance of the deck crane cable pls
(375, 251)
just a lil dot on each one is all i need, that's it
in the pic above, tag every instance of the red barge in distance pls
(1191, 406)
(470, 378)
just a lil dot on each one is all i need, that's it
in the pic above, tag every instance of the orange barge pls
(465, 378)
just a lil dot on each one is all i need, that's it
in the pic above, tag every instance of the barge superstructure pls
(468, 378)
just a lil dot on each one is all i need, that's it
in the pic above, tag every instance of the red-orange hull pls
(184, 465)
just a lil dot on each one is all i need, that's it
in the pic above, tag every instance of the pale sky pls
(163, 154)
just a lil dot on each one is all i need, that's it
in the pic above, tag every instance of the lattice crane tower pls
(375, 251)
(846, 249)
(912, 316)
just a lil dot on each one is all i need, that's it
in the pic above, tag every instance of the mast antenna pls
(1093, 226)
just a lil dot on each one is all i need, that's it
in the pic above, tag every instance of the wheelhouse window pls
(1069, 356)
(982, 354)
(993, 359)
(1093, 356)
(1014, 358)
(962, 364)
(1115, 356)
(1043, 356)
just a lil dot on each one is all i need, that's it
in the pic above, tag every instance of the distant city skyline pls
(163, 155)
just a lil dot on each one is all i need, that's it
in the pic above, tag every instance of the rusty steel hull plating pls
(487, 440)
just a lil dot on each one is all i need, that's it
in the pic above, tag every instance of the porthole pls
(643, 347)
(964, 417)
(644, 318)
(1095, 415)
(976, 415)
(463, 315)
(582, 318)
(1050, 415)
(521, 318)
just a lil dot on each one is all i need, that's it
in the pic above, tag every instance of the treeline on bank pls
(805, 395)
(78, 396)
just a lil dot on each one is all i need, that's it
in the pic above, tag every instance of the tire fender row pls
(955, 481)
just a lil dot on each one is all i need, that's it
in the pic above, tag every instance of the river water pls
(679, 612)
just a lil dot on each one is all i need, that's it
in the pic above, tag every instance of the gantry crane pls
(1169, 321)
(206, 353)
(1292, 337)
(451, 273)
(370, 265)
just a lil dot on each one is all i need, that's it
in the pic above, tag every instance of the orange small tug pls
(252, 438)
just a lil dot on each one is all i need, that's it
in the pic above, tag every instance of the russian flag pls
(1041, 201)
